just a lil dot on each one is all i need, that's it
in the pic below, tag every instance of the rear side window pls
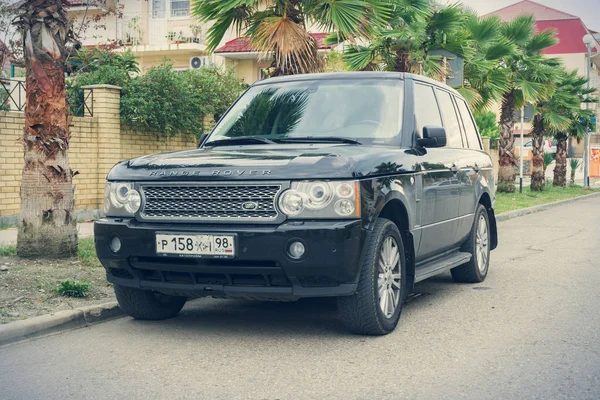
(426, 108)
(470, 129)
(451, 123)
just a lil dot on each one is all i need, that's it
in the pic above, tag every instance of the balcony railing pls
(145, 29)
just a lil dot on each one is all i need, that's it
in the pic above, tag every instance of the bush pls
(97, 66)
(73, 288)
(486, 122)
(169, 102)
(8, 250)
(161, 101)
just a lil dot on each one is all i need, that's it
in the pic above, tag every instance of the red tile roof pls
(570, 34)
(569, 28)
(540, 11)
(242, 44)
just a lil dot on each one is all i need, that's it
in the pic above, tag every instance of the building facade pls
(156, 30)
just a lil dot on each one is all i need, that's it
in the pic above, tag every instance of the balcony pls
(149, 34)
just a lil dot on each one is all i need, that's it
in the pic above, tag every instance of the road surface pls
(530, 331)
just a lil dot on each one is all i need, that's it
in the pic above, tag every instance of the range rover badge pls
(250, 205)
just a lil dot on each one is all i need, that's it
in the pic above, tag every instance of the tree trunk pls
(560, 168)
(538, 178)
(47, 227)
(507, 160)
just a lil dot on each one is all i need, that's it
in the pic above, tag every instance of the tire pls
(477, 268)
(362, 312)
(146, 304)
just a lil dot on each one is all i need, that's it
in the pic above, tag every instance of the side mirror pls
(433, 136)
(202, 139)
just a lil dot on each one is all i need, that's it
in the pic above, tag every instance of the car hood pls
(262, 162)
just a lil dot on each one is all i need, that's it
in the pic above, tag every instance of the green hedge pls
(161, 100)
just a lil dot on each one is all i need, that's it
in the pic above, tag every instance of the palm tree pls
(281, 27)
(547, 118)
(566, 103)
(485, 80)
(47, 225)
(414, 28)
(527, 82)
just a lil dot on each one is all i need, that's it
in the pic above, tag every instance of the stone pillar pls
(103, 102)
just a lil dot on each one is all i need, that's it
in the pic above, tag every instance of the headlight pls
(121, 199)
(318, 199)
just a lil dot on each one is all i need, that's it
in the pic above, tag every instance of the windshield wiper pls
(316, 139)
(240, 140)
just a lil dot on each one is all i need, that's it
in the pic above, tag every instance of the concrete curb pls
(530, 210)
(59, 321)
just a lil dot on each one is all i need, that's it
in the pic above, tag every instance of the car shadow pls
(305, 317)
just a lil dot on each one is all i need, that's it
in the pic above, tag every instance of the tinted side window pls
(450, 119)
(426, 108)
(470, 129)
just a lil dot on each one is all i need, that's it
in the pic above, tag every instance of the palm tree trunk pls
(560, 168)
(538, 179)
(47, 226)
(507, 160)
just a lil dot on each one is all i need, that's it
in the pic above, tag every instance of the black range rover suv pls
(354, 185)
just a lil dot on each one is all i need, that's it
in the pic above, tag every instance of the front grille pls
(196, 202)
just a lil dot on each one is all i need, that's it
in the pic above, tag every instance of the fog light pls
(296, 250)
(115, 244)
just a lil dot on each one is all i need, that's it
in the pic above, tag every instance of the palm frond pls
(520, 30)
(483, 30)
(224, 15)
(472, 96)
(541, 41)
(294, 49)
(359, 58)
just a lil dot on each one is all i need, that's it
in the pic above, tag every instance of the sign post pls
(521, 151)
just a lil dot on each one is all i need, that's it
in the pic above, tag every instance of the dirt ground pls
(26, 286)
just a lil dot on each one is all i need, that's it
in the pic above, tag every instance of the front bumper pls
(261, 268)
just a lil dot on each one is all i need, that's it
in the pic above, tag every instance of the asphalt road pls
(530, 331)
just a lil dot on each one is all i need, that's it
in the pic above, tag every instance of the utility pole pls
(522, 150)
(587, 40)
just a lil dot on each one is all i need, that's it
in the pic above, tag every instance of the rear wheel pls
(376, 306)
(146, 304)
(478, 244)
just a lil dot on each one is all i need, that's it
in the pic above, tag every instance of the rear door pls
(470, 174)
(441, 188)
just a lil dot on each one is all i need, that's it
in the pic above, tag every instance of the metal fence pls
(12, 95)
(13, 98)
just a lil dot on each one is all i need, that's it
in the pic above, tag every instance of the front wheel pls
(478, 244)
(375, 307)
(146, 304)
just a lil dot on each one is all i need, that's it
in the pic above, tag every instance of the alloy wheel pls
(481, 244)
(388, 282)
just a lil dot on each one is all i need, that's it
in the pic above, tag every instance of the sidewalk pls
(9, 236)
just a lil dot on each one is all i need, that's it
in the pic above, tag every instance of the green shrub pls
(98, 66)
(73, 288)
(160, 101)
(169, 102)
(486, 122)
(8, 250)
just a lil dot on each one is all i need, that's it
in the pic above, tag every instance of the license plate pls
(195, 245)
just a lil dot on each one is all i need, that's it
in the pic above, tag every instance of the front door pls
(440, 203)
(441, 186)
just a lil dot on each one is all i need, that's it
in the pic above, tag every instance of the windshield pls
(366, 110)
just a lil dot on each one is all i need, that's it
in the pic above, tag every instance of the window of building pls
(470, 129)
(451, 124)
(426, 108)
(158, 8)
(180, 8)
